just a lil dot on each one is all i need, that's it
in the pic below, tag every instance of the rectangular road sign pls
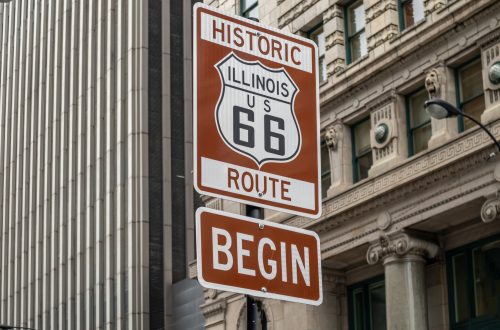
(256, 114)
(256, 257)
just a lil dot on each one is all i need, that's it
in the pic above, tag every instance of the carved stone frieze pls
(334, 39)
(295, 12)
(490, 210)
(399, 245)
(333, 134)
(214, 309)
(332, 12)
(387, 33)
(379, 8)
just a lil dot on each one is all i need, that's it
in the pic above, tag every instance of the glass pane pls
(460, 288)
(413, 11)
(359, 47)
(325, 159)
(362, 137)
(471, 81)
(326, 182)
(473, 108)
(356, 17)
(359, 318)
(417, 110)
(322, 68)
(318, 36)
(421, 136)
(377, 306)
(487, 279)
(252, 13)
(364, 164)
(245, 4)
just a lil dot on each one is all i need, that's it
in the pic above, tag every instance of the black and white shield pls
(254, 113)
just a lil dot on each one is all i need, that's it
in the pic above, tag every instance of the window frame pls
(355, 158)
(473, 322)
(364, 286)
(409, 128)
(310, 34)
(348, 37)
(249, 9)
(460, 104)
(402, 23)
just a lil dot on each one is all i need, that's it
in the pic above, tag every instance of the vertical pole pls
(254, 212)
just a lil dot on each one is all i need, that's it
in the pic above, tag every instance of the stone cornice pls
(213, 309)
(461, 154)
(398, 245)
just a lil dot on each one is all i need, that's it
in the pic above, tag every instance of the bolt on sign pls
(263, 259)
(256, 114)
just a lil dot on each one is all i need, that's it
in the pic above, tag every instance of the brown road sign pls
(256, 114)
(259, 258)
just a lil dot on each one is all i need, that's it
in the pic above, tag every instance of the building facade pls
(410, 230)
(96, 198)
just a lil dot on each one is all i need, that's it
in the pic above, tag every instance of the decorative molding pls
(387, 33)
(384, 220)
(214, 203)
(295, 12)
(334, 39)
(399, 245)
(490, 210)
(380, 8)
(333, 134)
(332, 12)
(460, 155)
(214, 309)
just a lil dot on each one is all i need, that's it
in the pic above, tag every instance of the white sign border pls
(255, 293)
(196, 8)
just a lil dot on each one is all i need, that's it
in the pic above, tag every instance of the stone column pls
(403, 257)
(338, 143)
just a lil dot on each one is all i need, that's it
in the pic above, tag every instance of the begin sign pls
(256, 114)
(264, 259)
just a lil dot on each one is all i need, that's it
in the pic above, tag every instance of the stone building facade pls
(410, 230)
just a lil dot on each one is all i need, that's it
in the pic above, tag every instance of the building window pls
(249, 8)
(318, 36)
(367, 305)
(470, 93)
(326, 180)
(355, 28)
(474, 285)
(418, 122)
(410, 12)
(361, 150)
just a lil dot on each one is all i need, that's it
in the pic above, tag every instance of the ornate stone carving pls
(336, 38)
(399, 245)
(490, 210)
(384, 220)
(333, 134)
(332, 12)
(379, 8)
(214, 309)
(432, 83)
(386, 34)
(338, 65)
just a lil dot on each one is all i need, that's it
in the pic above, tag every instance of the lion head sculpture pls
(432, 82)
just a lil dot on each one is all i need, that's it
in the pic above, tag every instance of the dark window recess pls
(410, 12)
(361, 150)
(470, 93)
(367, 305)
(418, 122)
(356, 46)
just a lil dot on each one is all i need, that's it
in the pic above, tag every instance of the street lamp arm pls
(483, 127)
(440, 109)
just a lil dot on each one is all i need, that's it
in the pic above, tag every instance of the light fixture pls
(440, 109)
